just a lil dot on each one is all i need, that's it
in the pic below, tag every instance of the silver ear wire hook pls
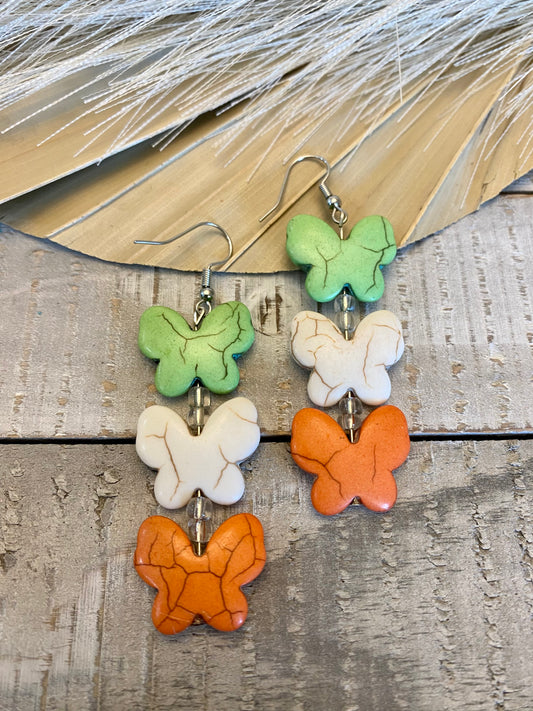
(338, 215)
(203, 307)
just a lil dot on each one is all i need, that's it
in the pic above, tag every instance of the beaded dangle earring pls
(198, 575)
(352, 464)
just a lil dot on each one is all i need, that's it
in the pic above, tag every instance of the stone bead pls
(344, 470)
(333, 263)
(208, 461)
(338, 365)
(190, 585)
(207, 354)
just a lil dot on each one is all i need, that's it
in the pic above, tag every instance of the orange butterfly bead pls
(347, 470)
(208, 585)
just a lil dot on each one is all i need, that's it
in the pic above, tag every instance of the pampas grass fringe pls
(287, 60)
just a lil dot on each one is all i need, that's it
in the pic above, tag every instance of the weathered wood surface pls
(72, 367)
(426, 607)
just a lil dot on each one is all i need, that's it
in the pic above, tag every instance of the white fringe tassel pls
(291, 60)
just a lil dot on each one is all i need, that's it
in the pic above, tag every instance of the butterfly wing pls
(164, 443)
(207, 585)
(312, 332)
(314, 246)
(369, 247)
(317, 442)
(383, 446)
(207, 354)
(164, 335)
(230, 435)
(317, 343)
(237, 555)
(161, 544)
(377, 344)
(225, 333)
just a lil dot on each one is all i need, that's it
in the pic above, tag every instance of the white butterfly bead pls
(339, 365)
(208, 461)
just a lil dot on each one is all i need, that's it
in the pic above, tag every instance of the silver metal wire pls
(338, 215)
(203, 306)
(186, 232)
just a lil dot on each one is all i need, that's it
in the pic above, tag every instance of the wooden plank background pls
(426, 607)
(72, 367)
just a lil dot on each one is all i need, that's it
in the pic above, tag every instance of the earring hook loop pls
(338, 215)
(205, 304)
(191, 229)
(321, 184)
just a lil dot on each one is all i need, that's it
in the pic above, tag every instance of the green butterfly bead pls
(207, 354)
(333, 263)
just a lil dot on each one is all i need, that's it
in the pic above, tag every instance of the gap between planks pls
(279, 439)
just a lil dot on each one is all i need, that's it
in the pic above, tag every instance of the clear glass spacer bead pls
(200, 507)
(345, 302)
(345, 320)
(199, 403)
(200, 530)
(345, 313)
(351, 408)
(199, 525)
(351, 404)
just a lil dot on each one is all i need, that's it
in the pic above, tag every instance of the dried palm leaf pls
(425, 107)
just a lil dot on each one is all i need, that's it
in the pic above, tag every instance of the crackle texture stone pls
(338, 365)
(347, 470)
(207, 354)
(208, 585)
(208, 461)
(333, 263)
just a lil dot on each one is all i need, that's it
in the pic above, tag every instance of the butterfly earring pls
(198, 575)
(348, 364)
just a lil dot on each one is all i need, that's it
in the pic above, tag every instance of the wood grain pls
(426, 607)
(73, 369)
